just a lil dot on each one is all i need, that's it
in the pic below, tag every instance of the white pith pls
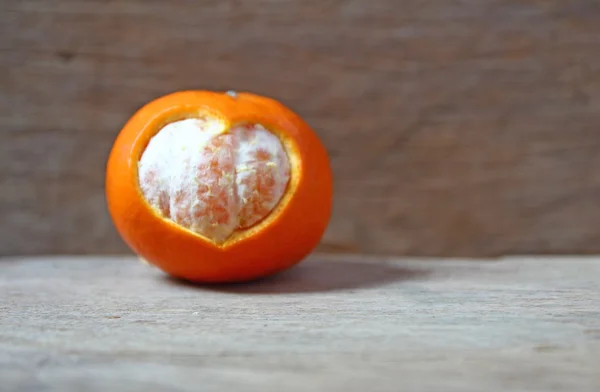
(214, 182)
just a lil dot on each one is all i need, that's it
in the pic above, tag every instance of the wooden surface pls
(455, 127)
(331, 324)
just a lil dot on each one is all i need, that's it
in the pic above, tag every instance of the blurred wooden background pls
(455, 127)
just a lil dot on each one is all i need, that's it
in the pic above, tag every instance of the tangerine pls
(219, 187)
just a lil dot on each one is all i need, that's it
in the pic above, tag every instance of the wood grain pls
(455, 128)
(331, 324)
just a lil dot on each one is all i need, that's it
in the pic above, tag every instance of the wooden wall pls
(455, 127)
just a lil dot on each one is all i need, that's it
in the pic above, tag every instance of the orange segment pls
(262, 173)
(214, 205)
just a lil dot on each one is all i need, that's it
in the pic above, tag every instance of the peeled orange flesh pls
(214, 181)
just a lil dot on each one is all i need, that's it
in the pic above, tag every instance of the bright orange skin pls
(278, 245)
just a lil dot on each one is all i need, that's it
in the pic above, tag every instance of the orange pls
(219, 187)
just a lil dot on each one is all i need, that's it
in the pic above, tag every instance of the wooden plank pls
(331, 324)
(455, 128)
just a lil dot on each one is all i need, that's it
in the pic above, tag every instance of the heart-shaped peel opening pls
(216, 182)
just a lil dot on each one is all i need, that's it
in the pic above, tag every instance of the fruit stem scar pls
(232, 94)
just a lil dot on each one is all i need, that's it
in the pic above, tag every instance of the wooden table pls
(334, 323)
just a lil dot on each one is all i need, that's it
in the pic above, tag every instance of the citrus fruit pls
(219, 186)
